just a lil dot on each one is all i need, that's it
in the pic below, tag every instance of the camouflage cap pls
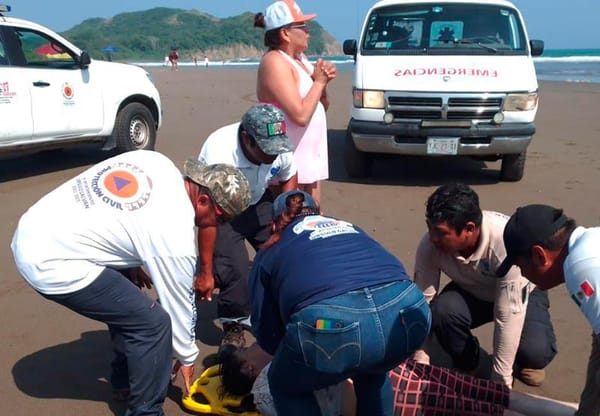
(228, 186)
(266, 124)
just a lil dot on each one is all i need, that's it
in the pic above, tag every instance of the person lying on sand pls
(419, 389)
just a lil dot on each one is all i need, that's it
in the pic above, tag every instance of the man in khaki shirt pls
(466, 245)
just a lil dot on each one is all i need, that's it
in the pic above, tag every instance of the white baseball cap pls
(283, 13)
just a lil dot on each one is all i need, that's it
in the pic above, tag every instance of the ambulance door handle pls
(41, 84)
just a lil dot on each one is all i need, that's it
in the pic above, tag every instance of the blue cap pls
(280, 206)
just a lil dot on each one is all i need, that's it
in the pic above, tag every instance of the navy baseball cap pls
(280, 206)
(528, 226)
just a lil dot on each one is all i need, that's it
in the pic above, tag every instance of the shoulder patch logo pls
(122, 186)
(121, 183)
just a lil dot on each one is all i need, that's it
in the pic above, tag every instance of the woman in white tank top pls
(288, 80)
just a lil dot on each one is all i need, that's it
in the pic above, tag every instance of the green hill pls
(150, 34)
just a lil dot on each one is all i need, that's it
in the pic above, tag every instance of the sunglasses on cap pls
(301, 26)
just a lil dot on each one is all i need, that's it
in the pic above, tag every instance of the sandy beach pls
(55, 362)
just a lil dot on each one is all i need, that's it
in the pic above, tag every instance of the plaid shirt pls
(424, 390)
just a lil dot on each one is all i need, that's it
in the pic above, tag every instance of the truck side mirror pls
(84, 60)
(537, 47)
(349, 47)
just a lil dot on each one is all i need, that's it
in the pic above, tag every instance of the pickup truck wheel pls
(135, 128)
(513, 167)
(358, 164)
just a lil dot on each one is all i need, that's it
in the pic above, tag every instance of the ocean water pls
(565, 65)
(569, 65)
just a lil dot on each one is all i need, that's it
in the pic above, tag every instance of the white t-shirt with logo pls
(127, 211)
(223, 146)
(582, 273)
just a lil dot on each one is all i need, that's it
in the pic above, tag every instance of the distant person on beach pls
(550, 249)
(206, 61)
(260, 148)
(130, 215)
(419, 389)
(465, 243)
(288, 80)
(173, 59)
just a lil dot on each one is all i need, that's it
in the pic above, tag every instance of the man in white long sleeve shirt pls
(84, 244)
(465, 243)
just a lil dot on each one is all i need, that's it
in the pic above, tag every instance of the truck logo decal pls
(6, 94)
(447, 71)
(67, 91)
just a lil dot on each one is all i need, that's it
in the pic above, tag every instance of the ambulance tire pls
(357, 163)
(135, 128)
(513, 167)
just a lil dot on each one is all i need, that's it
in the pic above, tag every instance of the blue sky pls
(562, 24)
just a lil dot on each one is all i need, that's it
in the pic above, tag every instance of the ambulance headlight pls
(520, 102)
(368, 99)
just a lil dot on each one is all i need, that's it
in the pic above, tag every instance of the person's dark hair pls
(259, 20)
(232, 380)
(251, 140)
(272, 39)
(456, 204)
(293, 211)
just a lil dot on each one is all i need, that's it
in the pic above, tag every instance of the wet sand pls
(55, 362)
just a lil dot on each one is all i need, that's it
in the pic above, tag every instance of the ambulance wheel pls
(357, 163)
(135, 128)
(513, 167)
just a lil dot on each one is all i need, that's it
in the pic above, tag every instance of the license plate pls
(442, 145)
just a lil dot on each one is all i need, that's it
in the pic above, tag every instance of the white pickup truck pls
(443, 78)
(52, 94)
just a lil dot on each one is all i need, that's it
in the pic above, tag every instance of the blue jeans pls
(141, 331)
(371, 331)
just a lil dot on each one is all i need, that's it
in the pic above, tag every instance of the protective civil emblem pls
(122, 186)
(67, 91)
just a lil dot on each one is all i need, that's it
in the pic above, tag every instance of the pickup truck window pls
(43, 52)
(453, 29)
(3, 58)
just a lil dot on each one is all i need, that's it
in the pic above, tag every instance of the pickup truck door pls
(65, 102)
(15, 100)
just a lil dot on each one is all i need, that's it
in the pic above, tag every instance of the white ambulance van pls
(53, 95)
(443, 78)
